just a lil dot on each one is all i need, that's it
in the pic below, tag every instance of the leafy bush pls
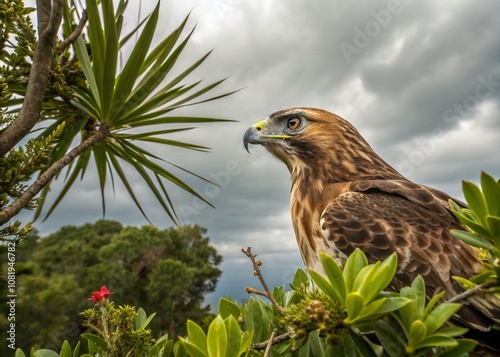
(346, 312)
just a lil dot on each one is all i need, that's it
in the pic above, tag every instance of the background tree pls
(76, 89)
(165, 271)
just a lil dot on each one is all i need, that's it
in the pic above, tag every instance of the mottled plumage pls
(345, 196)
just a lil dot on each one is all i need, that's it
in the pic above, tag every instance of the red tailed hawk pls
(344, 196)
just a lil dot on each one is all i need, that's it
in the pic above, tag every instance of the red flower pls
(99, 296)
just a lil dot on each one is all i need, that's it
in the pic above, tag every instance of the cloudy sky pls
(419, 79)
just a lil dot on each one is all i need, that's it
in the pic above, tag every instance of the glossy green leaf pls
(246, 340)
(140, 318)
(174, 120)
(418, 332)
(258, 318)
(99, 342)
(334, 274)
(437, 317)
(472, 225)
(432, 302)
(131, 70)
(388, 332)
(356, 261)
(121, 174)
(180, 348)
(381, 278)
(191, 350)
(353, 304)
(475, 199)
(217, 338)
(197, 336)
(146, 322)
(324, 285)
(491, 190)
(472, 239)
(76, 350)
(134, 31)
(158, 55)
(300, 279)
(464, 346)
(453, 331)
(408, 313)
(229, 308)
(145, 88)
(493, 223)
(233, 337)
(97, 40)
(45, 353)
(438, 341)
(162, 347)
(363, 282)
(19, 353)
(384, 306)
(83, 57)
(65, 350)
(418, 286)
(110, 60)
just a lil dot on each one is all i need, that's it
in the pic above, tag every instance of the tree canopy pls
(168, 271)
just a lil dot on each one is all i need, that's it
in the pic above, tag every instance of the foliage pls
(110, 108)
(371, 322)
(482, 219)
(313, 323)
(224, 338)
(17, 45)
(120, 330)
(17, 168)
(143, 267)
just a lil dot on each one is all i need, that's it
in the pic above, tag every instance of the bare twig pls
(256, 292)
(272, 341)
(74, 35)
(248, 253)
(468, 293)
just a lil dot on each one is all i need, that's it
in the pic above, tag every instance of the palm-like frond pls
(132, 103)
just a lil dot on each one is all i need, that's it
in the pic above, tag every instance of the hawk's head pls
(307, 139)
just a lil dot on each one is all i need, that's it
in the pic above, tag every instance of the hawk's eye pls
(294, 123)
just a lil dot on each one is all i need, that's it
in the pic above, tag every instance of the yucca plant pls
(109, 109)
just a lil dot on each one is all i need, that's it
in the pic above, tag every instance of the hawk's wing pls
(382, 216)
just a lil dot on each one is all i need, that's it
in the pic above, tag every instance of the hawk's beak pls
(256, 134)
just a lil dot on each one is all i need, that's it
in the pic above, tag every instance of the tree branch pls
(43, 9)
(250, 290)
(15, 207)
(468, 293)
(272, 341)
(257, 271)
(39, 74)
(74, 35)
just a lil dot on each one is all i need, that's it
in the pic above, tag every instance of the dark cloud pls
(406, 74)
